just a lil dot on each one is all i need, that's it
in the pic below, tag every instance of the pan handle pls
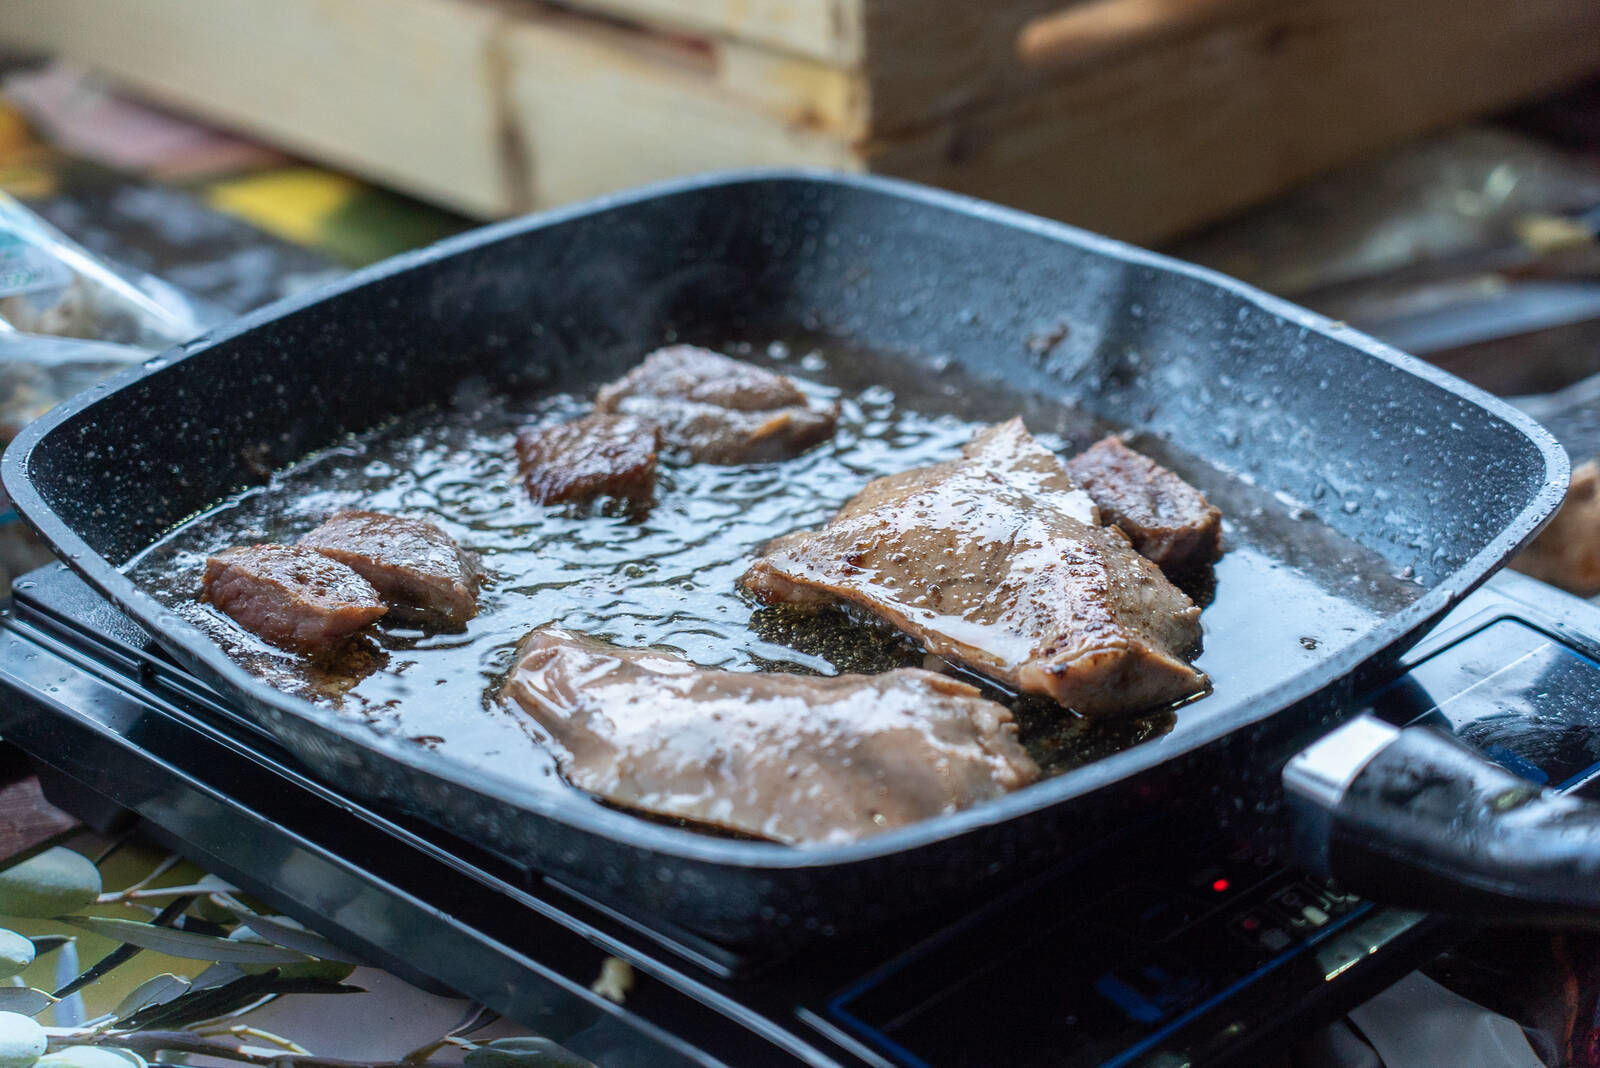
(1410, 816)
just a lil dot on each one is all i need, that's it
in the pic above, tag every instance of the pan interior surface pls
(1354, 483)
(1288, 593)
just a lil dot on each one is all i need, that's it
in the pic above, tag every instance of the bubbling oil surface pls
(1289, 590)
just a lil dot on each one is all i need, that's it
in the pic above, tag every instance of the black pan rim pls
(190, 646)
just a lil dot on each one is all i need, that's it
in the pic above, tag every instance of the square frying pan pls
(1432, 478)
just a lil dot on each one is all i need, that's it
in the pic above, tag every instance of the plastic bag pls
(49, 284)
(36, 374)
(67, 320)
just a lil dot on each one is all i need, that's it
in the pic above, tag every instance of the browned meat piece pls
(415, 566)
(715, 410)
(290, 595)
(1567, 552)
(596, 456)
(793, 758)
(1166, 518)
(993, 561)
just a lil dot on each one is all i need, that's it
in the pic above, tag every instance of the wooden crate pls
(1142, 118)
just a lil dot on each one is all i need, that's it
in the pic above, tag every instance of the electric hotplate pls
(1172, 944)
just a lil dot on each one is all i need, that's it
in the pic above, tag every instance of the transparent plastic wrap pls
(49, 284)
(67, 320)
(37, 373)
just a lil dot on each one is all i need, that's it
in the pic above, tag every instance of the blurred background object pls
(1139, 118)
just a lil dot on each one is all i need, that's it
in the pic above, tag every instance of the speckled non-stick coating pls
(1429, 474)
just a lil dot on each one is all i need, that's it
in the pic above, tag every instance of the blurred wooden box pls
(1141, 118)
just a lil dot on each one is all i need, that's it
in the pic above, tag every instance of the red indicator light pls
(1221, 886)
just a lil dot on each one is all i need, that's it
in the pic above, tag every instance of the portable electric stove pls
(1167, 946)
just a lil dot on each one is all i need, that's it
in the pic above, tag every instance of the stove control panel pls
(1142, 961)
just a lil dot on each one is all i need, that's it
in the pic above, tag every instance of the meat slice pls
(290, 595)
(794, 758)
(716, 410)
(994, 561)
(416, 567)
(1168, 520)
(599, 455)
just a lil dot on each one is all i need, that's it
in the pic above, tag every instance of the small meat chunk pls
(716, 410)
(597, 456)
(994, 561)
(416, 567)
(1168, 520)
(290, 596)
(793, 758)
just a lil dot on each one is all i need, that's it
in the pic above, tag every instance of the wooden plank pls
(1188, 131)
(926, 60)
(401, 91)
(795, 90)
(798, 91)
(494, 105)
(594, 114)
(826, 30)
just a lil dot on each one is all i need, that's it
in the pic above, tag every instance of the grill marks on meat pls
(792, 758)
(717, 410)
(994, 561)
(290, 595)
(599, 455)
(415, 566)
(1168, 520)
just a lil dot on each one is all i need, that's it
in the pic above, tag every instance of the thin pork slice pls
(797, 759)
(995, 561)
